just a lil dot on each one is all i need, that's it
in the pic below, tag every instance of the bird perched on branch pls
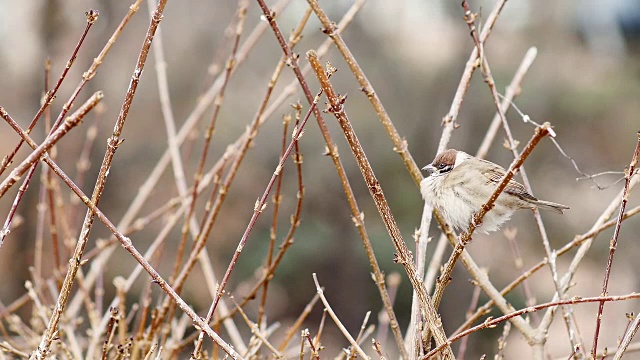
(459, 184)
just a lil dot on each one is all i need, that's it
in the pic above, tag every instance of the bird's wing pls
(494, 174)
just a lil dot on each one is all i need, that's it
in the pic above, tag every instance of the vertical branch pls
(42, 197)
(276, 199)
(614, 241)
(449, 121)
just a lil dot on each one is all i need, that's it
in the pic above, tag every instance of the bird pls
(459, 184)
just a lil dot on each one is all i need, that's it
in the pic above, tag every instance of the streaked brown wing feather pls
(495, 174)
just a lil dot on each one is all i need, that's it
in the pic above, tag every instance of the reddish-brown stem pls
(33, 158)
(42, 196)
(259, 207)
(47, 183)
(276, 199)
(6, 228)
(614, 242)
(92, 17)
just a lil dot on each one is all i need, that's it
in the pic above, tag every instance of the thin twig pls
(33, 158)
(276, 199)
(42, 197)
(628, 336)
(335, 318)
(363, 327)
(255, 330)
(259, 207)
(92, 17)
(614, 241)
(296, 325)
(513, 90)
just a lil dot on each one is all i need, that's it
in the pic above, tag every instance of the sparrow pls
(459, 184)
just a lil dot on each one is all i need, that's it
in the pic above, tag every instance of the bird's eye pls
(441, 166)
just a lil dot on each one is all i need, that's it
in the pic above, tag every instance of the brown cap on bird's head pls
(447, 157)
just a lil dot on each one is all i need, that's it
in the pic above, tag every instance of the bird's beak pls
(430, 169)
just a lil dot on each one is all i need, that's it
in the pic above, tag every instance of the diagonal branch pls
(403, 255)
(50, 141)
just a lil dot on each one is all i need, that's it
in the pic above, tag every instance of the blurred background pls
(585, 81)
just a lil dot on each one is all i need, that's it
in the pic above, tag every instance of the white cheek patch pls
(460, 158)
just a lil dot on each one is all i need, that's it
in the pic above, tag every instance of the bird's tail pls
(550, 206)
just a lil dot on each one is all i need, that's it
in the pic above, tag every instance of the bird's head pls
(446, 161)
